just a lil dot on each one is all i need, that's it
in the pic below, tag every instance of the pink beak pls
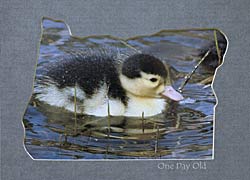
(171, 93)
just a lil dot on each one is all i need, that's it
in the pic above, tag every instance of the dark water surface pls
(184, 131)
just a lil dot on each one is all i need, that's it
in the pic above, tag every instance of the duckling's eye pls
(153, 79)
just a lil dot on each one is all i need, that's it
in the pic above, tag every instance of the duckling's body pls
(100, 85)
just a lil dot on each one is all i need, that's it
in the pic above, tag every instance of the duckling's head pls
(144, 75)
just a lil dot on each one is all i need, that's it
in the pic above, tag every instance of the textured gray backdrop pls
(20, 32)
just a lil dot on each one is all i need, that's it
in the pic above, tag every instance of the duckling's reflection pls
(120, 136)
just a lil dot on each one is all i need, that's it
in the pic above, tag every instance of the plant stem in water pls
(75, 109)
(142, 122)
(188, 77)
(157, 140)
(108, 118)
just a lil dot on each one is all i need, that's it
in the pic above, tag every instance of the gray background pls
(20, 33)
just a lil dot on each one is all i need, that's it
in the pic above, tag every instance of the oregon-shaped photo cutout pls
(103, 97)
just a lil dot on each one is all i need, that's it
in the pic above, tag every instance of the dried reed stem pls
(217, 47)
(128, 45)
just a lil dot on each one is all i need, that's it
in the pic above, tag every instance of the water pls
(184, 131)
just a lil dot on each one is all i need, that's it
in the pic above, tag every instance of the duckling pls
(103, 86)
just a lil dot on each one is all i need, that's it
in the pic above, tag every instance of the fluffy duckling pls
(103, 85)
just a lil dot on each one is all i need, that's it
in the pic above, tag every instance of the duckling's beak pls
(171, 93)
